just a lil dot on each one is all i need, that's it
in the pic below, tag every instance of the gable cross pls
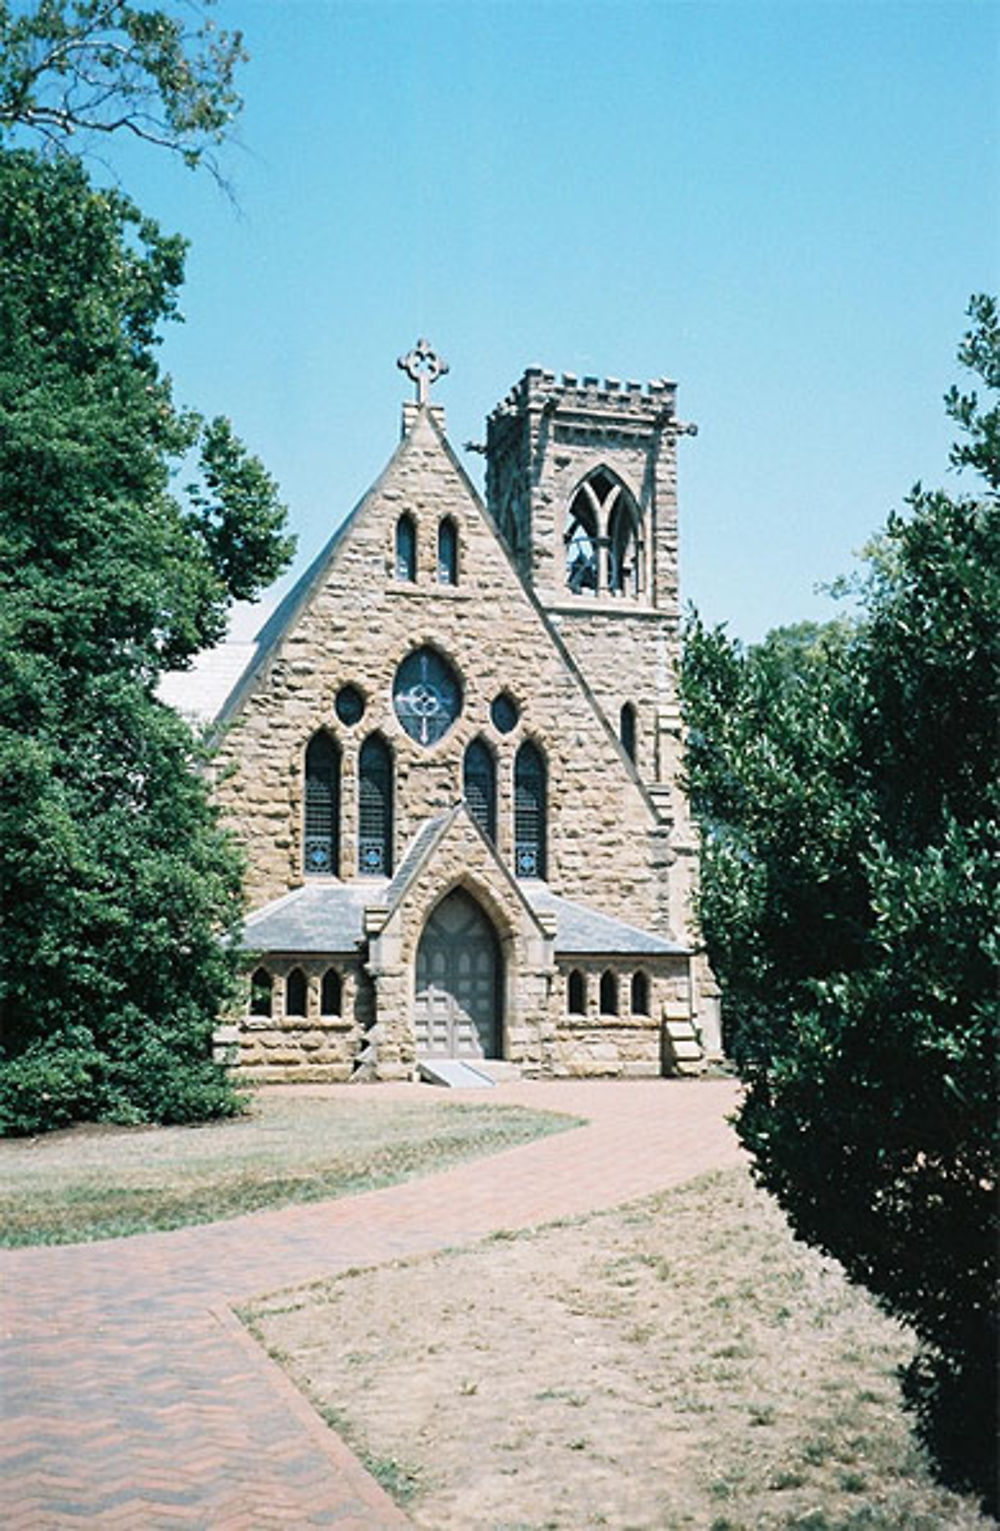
(424, 366)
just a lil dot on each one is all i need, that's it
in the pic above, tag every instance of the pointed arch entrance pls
(459, 983)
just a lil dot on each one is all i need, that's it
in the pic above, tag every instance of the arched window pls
(375, 808)
(406, 548)
(576, 993)
(321, 847)
(628, 730)
(479, 787)
(295, 992)
(581, 542)
(609, 993)
(603, 551)
(331, 993)
(260, 992)
(529, 812)
(640, 994)
(447, 564)
(623, 547)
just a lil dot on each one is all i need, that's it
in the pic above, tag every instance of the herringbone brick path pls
(131, 1396)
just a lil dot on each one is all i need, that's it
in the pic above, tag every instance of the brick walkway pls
(132, 1397)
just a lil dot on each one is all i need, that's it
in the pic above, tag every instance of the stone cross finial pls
(424, 366)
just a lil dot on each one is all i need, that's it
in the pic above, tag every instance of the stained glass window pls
(479, 786)
(322, 807)
(427, 695)
(375, 808)
(529, 812)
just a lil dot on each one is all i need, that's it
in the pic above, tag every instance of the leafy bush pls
(846, 781)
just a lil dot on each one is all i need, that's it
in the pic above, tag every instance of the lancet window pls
(479, 786)
(375, 808)
(627, 730)
(261, 986)
(609, 993)
(447, 559)
(295, 992)
(603, 545)
(640, 994)
(406, 548)
(322, 807)
(331, 993)
(529, 812)
(576, 993)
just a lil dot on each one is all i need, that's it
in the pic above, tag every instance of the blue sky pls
(783, 206)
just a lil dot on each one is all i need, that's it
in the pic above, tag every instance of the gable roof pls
(285, 616)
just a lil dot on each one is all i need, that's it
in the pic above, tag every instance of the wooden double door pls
(457, 1008)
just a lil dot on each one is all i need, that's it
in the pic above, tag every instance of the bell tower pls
(581, 480)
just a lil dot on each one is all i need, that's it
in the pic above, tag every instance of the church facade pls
(453, 758)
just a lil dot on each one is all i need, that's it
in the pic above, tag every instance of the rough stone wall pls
(356, 625)
(623, 1044)
(312, 1047)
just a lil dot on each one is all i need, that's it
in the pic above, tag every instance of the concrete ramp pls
(453, 1074)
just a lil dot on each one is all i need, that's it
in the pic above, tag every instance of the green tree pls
(76, 68)
(846, 782)
(116, 882)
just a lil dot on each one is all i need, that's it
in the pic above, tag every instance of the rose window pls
(427, 696)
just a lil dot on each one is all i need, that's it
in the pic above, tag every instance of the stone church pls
(452, 757)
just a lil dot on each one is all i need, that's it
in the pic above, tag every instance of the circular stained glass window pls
(427, 695)
(504, 713)
(349, 705)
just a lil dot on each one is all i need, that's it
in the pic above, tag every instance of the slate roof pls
(582, 931)
(318, 917)
(329, 917)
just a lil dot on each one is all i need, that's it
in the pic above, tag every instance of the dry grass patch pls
(105, 1182)
(680, 1362)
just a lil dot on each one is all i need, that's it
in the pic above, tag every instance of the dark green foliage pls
(846, 779)
(115, 880)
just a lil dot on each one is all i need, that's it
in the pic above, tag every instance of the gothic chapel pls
(452, 757)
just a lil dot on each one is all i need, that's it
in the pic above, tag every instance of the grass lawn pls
(677, 1362)
(105, 1182)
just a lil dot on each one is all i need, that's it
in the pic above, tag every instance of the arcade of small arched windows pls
(608, 992)
(317, 992)
(603, 539)
(406, 559)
